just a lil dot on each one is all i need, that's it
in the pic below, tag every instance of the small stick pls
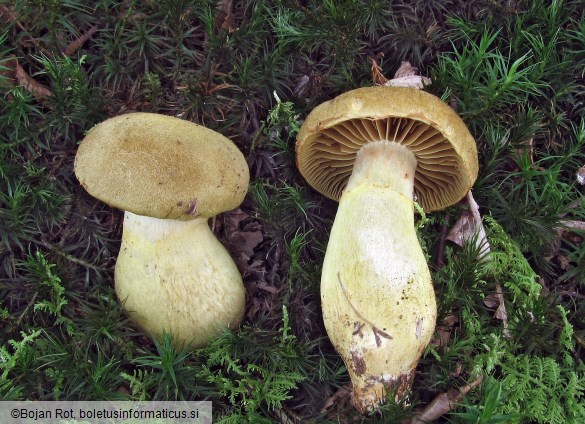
(444, 403)
(78, 42)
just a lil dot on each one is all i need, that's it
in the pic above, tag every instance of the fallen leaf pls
(8, 15)
(242, 240)
(23, 79)
(405, 70)
(78, 42)
(415, 81)
(406, 76)
(377, 75)
(491, 301)
(468, 226)
(581, 175)
(442, 335)
(462, 230)
(341, 396)
(496, 300)
(302, 86)
(225, 17)
(573, 225)
(563, 262)
(444, 403)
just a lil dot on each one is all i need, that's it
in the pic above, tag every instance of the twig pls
(580, 340)
(9, 16)
(286, 417)
(78, 42)
(573, 225)
(571, 294)
(21, 316)
(444, 403)
(72, 258)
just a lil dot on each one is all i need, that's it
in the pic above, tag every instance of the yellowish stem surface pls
(176, 277)
(377, 296)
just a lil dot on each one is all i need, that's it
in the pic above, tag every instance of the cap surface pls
(160, 166)
(334, 131)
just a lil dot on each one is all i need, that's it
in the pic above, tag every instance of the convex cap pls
(163, 167)
(334, 131)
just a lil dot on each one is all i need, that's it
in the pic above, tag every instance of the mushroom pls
(169, 176)
(373, 149)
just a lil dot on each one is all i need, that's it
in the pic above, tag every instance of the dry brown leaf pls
(341, 396)
(405, 70)
(253, 306)
(443, 334)
(377, 75)
(501, 313)
(415, 81)
(581, 175)
(563, 262)
(78, 42)
(302, 86)
(39, 91)
(266, 287)
(573, 225)
(444, 403)
(491, 301)
(242, 240)
(496, 300)
(7, 14)
(468, 225)
(406, 76)
(462, 230)
(225, 17)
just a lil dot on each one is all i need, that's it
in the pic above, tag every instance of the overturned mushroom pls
(373, 149)
(170, 176)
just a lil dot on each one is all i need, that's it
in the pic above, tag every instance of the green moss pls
(513, 70)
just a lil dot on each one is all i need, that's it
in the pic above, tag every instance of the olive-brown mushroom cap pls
(334, 131)
(163, 167)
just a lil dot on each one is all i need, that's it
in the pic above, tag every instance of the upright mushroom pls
(170, 176)
(373, 149)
